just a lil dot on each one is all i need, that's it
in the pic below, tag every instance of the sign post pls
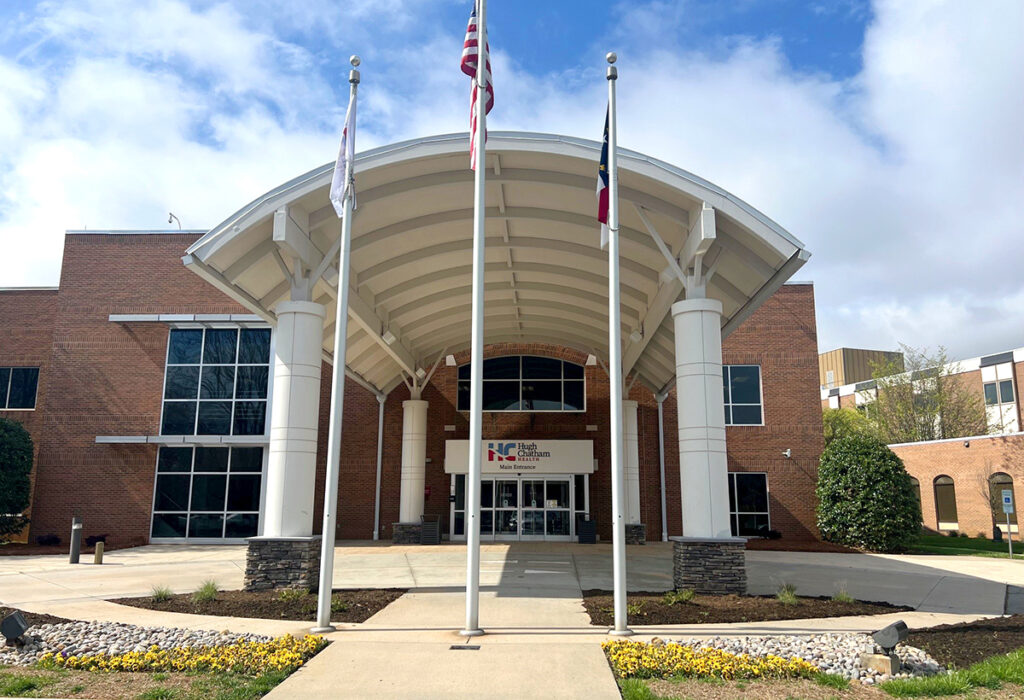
(1007, 509)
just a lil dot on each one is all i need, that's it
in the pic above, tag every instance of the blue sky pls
(884, 134)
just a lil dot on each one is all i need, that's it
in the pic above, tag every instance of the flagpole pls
(615, 365)
(323, 606)
(476, 358)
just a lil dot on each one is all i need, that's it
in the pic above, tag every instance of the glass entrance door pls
(528, 508)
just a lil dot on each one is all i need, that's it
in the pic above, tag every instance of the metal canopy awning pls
(546, 276)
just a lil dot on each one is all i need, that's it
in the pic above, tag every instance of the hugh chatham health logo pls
(502, 452)
(519, 452)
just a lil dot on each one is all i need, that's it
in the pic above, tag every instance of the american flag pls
(470, 54)
(602, 187)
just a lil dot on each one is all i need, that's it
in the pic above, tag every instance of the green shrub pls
(291, 595)
(338, 605)
(865, 498)
(683, 595)
(15, 467)
(635, 609)
(787, 594)
(842, 596)
(206, 593)
(160, 594)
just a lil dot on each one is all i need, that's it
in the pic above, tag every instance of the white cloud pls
(904, 181)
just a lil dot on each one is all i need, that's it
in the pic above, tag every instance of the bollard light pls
(12, 627)
(889, 637)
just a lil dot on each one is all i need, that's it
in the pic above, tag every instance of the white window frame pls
(760, 389)
(520, 381)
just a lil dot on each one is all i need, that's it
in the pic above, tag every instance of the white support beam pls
(668, 294)
(291, 226)
(700, 237)
(673, 264)
(360, 311)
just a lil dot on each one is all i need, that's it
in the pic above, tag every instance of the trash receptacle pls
(586, 529)
(430, 532)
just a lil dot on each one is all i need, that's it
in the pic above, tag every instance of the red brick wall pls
(970, 468)
(26, 317)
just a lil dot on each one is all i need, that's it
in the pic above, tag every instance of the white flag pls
(346, 155)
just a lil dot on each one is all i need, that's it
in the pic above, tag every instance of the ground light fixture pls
(12, 627)
(888, 637)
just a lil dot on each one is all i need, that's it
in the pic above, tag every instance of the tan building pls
(851, 365)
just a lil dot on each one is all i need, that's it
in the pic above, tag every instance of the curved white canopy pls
(546, 277)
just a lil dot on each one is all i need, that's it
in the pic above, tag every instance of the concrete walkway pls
(539, 640)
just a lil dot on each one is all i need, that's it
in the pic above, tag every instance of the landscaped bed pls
(33, 618)
(664, 609)
(968, 643)
(346, 605)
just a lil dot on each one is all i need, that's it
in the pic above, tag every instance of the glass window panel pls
(212, 459)
(218, 383)
(254, 346)
(533, 494)
(241, 525)
(179, 418)
(214, 418)
(579, 492)
(751, 493)
(728, 415)
(174, 459)
(732, 493)
(573, 400)
(1005, 391)
(459, 523)
(208, 491)
(572, 370)
(252, 383)
(185, 347)
(541, 368)
(171, 492)
(745, 384)
(750, 524)
(508, 492)
(247, 459)
(250, 417)
(501, 368)
(991, 396)
(542, 396)
(464, 371)
(463, 397)
(182, 382)
(219, 347)
(206, 526)
(945, 500)
(557, 491)
(558, 522)
(533, 522)
(486, 493)
(460, 492)
(746, 415)
(169, 524)
(733, 527)
(725, 383)
(24, 381)
(244, 492)
(486, 522)
(5, 377)
(507, 522)
(501, 396)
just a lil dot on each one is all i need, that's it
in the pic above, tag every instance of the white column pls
(414, 460)
(631, 460)
(294, 419)
(703, 474)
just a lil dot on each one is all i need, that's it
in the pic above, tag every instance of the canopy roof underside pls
(546, 276)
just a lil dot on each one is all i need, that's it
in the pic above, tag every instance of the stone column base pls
(282, 562)
(636, 533)
(709, 565)
(406, 533)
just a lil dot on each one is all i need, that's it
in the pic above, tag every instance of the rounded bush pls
(865, 498)
(15, 467)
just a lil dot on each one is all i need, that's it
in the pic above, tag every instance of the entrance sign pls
(518, 456)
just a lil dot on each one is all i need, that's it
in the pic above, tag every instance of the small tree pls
(925, 398)
(865, 498)
(15, 467)
(840, 422)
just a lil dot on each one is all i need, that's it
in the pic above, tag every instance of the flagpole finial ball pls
(612, 58)
(355, 61)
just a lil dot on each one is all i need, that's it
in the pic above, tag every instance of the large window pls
(216, 381)
(18, 387)
(207, 492)
(741, 385)
(945, 503)
(527, 383)
(748, 503)
(997, 483)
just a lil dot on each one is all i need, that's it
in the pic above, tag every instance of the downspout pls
(660, 398)
(381, 398)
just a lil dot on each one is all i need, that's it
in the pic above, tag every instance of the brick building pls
(184, 402)
(960, 480)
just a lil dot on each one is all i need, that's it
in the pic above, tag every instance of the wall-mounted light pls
(636, 336)
(388, 337)
(787, 453)
(967, 443)
(591, 360)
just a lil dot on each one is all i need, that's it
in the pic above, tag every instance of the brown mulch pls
(358, 605)
(968, 643)
(784, 545)
(723, 608)
(34, 618)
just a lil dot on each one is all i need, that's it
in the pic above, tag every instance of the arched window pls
(526, 383)
(945, 503)
(997, 483)
(916, 485)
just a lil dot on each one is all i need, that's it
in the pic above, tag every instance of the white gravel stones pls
(832, 653)
(78, 638)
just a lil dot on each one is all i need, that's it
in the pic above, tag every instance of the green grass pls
(636, 689)
(206, 593)
(965, 546)
(832, 680)
(990, 673)
(225, 686)
(158, 694)
(12, 686)
(842, 596)
(160, 594)
(787, 594)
